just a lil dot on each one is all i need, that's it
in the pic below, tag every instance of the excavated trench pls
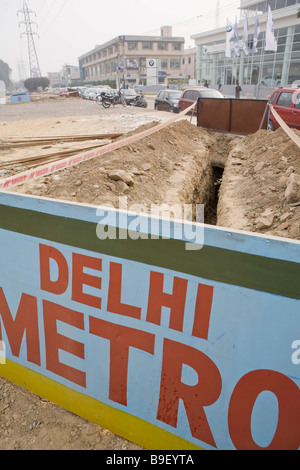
(206, 191)
(195, 177)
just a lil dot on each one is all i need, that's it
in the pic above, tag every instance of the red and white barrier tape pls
(50, 168)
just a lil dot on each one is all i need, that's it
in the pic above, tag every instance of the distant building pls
(68, 75)
(141, 60)
(261, 68)
(55, 78)
(189, 64)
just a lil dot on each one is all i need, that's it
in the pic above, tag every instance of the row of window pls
(134, 46)
(150, 46)
(262, 7)
(135, 64)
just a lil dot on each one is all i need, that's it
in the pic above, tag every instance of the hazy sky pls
(67, 29)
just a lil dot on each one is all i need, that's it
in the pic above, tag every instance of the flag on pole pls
(256, 34)
(236, 39)
(245, 36)
(271, 41)
(229, 34)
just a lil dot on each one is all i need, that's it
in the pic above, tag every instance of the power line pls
(48, 12)
(222, 11)
(55, 18)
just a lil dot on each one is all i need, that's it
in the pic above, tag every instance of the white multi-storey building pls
(261, 68)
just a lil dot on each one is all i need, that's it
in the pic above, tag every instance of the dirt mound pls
(162, 167)
(259, 187)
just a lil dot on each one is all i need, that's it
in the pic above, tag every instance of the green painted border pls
(260, 273)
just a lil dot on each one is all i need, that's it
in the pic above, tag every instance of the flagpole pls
(275, 52)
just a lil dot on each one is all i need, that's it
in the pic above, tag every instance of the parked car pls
(91, 93)
(86, 94)
(270, 81)
(191, 95)
(129, 95)
(167, 100)
(286, 102)
(80, 90)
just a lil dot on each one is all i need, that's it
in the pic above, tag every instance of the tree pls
(298, 13)
(32, 84)
(5, 72)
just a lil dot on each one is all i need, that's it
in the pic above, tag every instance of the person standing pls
(238, 90)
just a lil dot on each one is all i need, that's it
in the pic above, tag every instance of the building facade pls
(68, 75)
(141, 60)
(188, 64)
(261, 68)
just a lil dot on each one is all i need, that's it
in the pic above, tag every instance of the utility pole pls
(34, 66)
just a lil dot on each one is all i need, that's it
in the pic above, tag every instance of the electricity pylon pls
(34, 66)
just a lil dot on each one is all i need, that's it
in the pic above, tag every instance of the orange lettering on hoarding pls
(26, 320)
(175, 301)
(60, 285)
(204, 393)
(245, 393)
(114, 304)
(202, 311)
(121, 339)
(79, 279)
(55, 341)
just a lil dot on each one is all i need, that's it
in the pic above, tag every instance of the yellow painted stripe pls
(123, 424)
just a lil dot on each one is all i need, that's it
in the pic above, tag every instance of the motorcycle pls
(140, 101)
(108, 99)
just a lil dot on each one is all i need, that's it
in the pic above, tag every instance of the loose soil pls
(238, 178)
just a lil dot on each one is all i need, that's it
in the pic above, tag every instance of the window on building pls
(132, 46)
(296, 41)
(272, 4)
(107, 67)
(280, 4)
(147, 46)
(190, 60)
(164, 64)
(176, 47)
(162, 46)
(175, 64)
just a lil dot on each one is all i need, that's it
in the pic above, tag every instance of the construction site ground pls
(249, 183)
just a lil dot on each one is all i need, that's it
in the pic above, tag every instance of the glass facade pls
(261, 68)
(262, 7)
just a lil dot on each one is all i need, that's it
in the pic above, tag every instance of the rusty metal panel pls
(247, 115)
(214, 113)
(232, 115)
